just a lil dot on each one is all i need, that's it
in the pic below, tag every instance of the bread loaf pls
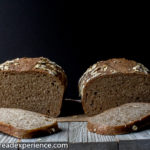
(126, 118)
(25, 124)
(113, 82)
(35, 84)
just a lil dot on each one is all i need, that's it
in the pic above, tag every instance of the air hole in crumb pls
(5, 75)
(137, 98)
(52, 84)
(95, 93)
(92, 102)
(38, 76)
(117, 104)
(86, 94)
(48, 111)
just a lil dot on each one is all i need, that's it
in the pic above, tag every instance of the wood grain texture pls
(4, 138)
(134, 136)
(77, 132)
(93, 137)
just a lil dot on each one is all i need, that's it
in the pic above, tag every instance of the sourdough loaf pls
(25, 124)
(113, 82)
(126, 118)
(35, 84)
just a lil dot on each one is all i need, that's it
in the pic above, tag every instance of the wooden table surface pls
(77, 136)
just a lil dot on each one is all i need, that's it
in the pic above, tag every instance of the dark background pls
(74, 34)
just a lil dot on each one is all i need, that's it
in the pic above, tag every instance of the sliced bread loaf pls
(35, 84)
(113, 82)
(25, 124)
(123, 119)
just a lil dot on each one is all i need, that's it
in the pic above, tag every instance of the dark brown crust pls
(28, 64)
(21, 133)
(109, 67)
(141, 124)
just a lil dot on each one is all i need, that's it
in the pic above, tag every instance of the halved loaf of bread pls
(122, 119)
(35, 84)
(25, 124)
(113, 82)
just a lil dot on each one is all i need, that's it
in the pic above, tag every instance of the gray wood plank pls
(124, 137)
(8, 142)
(140, 135)
(93, 137)
(61, 136)
(102, 142)
(134, 145)
(4, 138)
(148, 131)
(134, 136)
(77, 132)
(94, 146)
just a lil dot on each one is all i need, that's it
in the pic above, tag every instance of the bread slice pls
(126, 118)
(25, 124)
(34, 84)
(113, 82)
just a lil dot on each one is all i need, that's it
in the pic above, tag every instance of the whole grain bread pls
(34, 84)
(25, 124)
(112, 83)
(126, 118)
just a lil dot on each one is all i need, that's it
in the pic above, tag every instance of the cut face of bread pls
(112, 83)
(123, 119)
(25, 124)
(34, 84)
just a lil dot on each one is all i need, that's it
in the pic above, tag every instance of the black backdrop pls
(74, 34)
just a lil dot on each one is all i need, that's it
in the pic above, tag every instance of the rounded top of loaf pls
(111, 66)
(40, 64)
